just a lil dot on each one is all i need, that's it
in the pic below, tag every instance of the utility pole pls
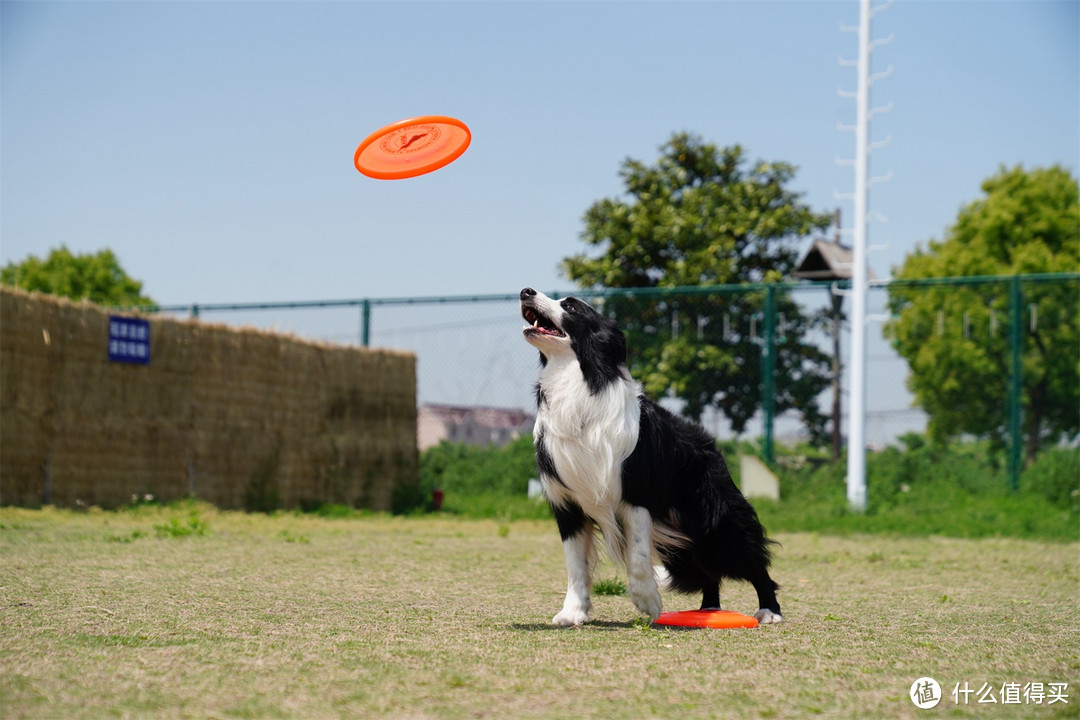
(856, 461)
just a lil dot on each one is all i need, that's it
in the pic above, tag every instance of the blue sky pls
(209, 144)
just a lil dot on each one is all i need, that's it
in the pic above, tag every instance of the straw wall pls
(239, 418)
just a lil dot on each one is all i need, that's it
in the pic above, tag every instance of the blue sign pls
(129, 340)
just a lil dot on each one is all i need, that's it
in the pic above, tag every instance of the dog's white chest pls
(587, 436)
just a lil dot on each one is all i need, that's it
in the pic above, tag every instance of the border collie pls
(610, 458)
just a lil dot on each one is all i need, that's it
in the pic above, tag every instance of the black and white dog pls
(610, 457)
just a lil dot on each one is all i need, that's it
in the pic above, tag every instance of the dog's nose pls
(527, 293)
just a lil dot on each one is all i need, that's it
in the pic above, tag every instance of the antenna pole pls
(856, 469)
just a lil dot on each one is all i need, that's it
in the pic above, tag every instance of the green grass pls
(301, 616)
(609, 586)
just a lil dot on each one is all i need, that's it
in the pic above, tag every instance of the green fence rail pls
(758, 360)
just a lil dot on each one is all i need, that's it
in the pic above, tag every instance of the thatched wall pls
(240, 418)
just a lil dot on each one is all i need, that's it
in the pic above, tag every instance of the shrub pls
(959, 489)
(193, 526)
(469, 471)
(1055, 475)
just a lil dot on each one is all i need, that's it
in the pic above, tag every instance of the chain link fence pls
(978, 357)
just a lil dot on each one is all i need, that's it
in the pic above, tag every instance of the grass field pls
(188, 612)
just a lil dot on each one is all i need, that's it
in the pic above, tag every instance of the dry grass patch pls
(294, 616)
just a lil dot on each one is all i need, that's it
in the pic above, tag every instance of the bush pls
(960, 489)
(472, 470)
(469, 471)
(1055, 475)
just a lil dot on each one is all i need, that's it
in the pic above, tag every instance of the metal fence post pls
(768, 373)
(1016, 303)
(365, 323)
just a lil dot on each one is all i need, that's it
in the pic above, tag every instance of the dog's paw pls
(768, 617)
(569, 617)
(648, 602)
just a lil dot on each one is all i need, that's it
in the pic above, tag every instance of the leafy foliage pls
(486, 475)
(697, 217)
(95, 277)
(959, 489)
(1055, 475)
(700, 216)
(470, 469)
(956, 338)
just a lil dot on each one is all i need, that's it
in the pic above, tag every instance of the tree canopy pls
(703, 215)
(956, 338)
(95, 277)
(698, 216)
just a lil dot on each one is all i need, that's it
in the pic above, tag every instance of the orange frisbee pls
(706, 619)
(412, 147)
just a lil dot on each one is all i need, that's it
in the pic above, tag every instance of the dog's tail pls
(663, 577)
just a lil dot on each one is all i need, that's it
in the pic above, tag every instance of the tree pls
(700, 216)
(97, 278)
(956, 339)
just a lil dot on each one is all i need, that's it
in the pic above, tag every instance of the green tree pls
(95, 277)
(956, 339)
(700, 216)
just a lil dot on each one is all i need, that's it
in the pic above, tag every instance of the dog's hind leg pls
(710, 596)
(769, 612)
(641, 579)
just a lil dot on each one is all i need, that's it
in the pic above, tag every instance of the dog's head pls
(572, 327)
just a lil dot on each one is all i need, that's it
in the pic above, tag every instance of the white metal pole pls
(856, 470)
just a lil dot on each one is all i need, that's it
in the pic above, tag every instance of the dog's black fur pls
(674, 470)
(677, 472)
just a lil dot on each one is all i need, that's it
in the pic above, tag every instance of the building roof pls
(827, 261)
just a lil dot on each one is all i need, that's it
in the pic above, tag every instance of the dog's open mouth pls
(539, 324)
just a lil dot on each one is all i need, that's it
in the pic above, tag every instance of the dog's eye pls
(569, 306)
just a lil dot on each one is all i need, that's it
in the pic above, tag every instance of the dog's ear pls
(601, 353)
(616, 343)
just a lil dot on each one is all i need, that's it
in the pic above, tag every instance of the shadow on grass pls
(606, 625)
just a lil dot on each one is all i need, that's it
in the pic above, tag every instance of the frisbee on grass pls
(412, 147)
(706, 619)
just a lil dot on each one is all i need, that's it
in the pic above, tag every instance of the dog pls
(610, 458)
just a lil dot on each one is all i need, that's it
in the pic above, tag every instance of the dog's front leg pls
(639, 568)
(578, 551)
(576, 532)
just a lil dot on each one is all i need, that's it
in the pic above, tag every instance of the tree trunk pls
(837, 301)
(1034, 422)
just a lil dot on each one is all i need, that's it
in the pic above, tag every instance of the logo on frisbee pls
(410, 139)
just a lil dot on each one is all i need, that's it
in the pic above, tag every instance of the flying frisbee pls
(412, 147)
(706, 619)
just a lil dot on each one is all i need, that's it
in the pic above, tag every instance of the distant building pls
(470, 425)
(828, 261)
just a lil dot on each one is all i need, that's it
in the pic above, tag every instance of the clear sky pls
(209, 144)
